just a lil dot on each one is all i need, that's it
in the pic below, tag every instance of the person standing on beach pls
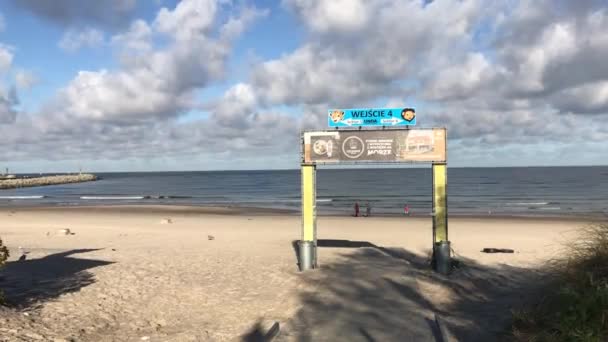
(356, 209)
(406, 210)
(368, 210)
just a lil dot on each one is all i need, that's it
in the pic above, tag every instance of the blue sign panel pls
(371, 117)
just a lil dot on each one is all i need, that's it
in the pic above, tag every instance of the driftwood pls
(273, 331)
(257, 333)
(497, 250)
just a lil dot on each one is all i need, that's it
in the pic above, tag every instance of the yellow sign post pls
(308, 243)
(440, 203)
(441, 245)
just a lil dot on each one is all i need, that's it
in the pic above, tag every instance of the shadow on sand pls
(373, 293)
(256, 334)
(30, 282)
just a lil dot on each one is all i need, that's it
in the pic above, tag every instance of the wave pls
(113, 197)
(529, 203)
(22, 197)
(170, 197)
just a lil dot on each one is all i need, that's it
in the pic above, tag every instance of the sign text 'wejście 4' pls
(371, 117)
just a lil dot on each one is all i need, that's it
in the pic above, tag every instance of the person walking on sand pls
(406, 210)
(356, 209)
(368, 210)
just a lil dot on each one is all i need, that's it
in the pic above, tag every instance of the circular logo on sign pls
(352, 147)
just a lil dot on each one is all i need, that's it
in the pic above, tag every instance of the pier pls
(7, 182)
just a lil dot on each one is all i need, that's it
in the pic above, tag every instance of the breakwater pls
(45, 180)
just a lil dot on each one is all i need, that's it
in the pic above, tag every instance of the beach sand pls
(224, 274)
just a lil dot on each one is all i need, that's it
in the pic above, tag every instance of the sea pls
(510, 191)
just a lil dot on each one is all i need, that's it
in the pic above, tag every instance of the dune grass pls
(574, 307)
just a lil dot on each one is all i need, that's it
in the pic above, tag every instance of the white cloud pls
(74, 40)
(137, 38)
(237, 106)
(8, 102)
(6, 58)
(460, 80)
(547, 47)
(236, 25)
(25, 80)
(516, 87)
(332, 16)
(589, 98)
(120, 96)
(156, 83)
(313, 75)
(8, 95)
(502, 76)
(190, 19)
(344, 64)
(130, 111)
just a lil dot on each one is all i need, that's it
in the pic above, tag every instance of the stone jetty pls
(45, 180)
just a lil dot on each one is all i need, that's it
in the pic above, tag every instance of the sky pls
(160, 85)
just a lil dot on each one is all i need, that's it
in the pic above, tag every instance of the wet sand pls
(221, 274)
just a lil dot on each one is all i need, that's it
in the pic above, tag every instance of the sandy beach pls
(129, 274)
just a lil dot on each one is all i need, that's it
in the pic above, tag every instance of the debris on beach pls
(258, 333)
(210, 237)
(160, 323)
(166, 220)
(497, 250)
(65, 231)
(273, 331)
